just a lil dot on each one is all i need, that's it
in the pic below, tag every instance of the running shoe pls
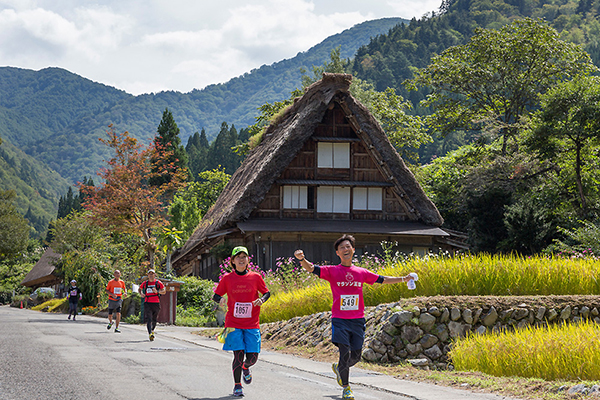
(247, 375)
(109, 325)
(117, 330)
(335, 369)
(152, 337)
(237, 391)
(69, 317)
(347, 394)
(74, 319)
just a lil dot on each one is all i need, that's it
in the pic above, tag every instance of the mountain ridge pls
(65, 133)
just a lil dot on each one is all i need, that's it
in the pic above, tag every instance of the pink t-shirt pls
(347, 289)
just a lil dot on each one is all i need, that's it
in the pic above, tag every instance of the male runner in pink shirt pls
(348, 308)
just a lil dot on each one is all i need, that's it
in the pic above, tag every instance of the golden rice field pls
(559, 352)
(500, 275)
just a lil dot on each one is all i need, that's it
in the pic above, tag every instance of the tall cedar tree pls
(168, 142)
(126, 202)
(197, 151)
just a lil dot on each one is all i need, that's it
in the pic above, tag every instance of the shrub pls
(191, 316)
(197, 294)
(133, 319)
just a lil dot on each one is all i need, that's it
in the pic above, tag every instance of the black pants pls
(151, 315)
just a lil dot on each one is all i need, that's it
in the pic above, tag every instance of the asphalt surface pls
(46, 356)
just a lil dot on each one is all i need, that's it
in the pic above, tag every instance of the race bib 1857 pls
(242, 310)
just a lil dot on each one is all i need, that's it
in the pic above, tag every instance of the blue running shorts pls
(350, 332)
(243, 339)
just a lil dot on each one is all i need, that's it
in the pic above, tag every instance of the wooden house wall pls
(304, 167)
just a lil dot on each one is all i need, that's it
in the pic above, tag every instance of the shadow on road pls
(213, 398)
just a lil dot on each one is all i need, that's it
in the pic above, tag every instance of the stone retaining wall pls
(422, 335)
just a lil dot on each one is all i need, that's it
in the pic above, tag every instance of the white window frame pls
(295, 197)
(367, 199)
(333, 155)
(333, 199)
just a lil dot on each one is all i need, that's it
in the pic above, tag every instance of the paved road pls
(46, 356)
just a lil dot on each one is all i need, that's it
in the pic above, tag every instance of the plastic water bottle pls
(411, 283)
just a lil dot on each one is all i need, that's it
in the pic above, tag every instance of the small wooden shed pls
(323, 168)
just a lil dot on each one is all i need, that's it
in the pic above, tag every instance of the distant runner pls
(74, 295)
(348, 309)
(116, 290)
(151, 290)
(243, 309)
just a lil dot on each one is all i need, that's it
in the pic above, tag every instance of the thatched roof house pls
(42, 273)
(323, 168)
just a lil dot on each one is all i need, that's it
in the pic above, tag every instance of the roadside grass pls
(559, 352)
(471, 275)
(511, 386)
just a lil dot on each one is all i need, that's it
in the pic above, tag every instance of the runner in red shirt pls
(242, 288)
(151, 290)
(348, 308)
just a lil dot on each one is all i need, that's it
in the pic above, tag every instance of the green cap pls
(237, 250)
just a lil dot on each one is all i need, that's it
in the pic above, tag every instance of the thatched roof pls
(281, 143)
(42, 271)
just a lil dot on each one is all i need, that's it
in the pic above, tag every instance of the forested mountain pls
(38, 188)
(57, 117)
(389, 59)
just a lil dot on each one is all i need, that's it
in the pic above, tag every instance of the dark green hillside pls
(57, 117)
(389, 59)
(36, 105)
(37, 187)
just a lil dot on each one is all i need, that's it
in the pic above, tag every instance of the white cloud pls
(152, 45)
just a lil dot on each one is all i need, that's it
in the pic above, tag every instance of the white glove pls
(414, 276)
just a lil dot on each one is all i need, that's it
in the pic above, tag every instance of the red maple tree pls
(125, 202)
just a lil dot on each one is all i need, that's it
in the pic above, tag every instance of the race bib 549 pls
(349, 302)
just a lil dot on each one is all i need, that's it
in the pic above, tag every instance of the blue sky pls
(144, 46)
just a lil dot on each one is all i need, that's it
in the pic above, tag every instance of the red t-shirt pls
(241, 291)
(347, 289)
(147, 287)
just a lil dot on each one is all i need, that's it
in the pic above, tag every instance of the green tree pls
(405, 131)
(391, 110)
(88, 254)
(197, 150)
(221, 150)
(567, 128)
(14, 269)
(169, 239)
(14, 229)
(335, 65)
(493, 82)
(168, 142)
(191, 203)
